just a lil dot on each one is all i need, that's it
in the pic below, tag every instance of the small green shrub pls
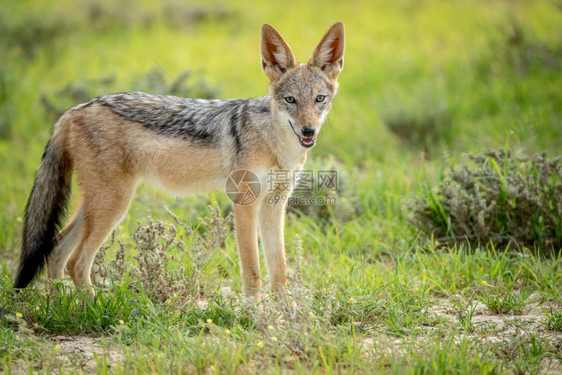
(31, 33)
(502, 199)
(420, 118)
(519, 50)
(180, 14)
(322, 190)
(6, 106)
(75, 93)
(155, 81)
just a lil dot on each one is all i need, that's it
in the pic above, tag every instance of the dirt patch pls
(85, 353)
(503, 334)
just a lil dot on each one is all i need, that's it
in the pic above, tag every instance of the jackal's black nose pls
(308, 131)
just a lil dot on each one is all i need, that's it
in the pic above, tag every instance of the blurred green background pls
(421, 79)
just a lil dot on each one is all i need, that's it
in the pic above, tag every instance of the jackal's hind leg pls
(66, 242)
(102, 212)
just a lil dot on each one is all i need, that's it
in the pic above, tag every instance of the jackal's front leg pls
(246, 223)
(271, 220)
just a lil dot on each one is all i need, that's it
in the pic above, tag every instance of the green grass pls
(372, 295)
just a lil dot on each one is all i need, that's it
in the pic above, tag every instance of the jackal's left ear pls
(276, 55)
(328, 55)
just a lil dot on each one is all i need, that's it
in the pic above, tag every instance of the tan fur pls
(111, 155)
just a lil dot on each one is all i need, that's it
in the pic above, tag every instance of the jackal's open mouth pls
(304, 141)
(307, 142)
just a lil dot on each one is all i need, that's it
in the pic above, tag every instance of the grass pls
(371, 294)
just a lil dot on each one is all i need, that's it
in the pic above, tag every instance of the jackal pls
(186, 145)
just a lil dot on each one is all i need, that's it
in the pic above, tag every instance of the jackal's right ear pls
(276, 55)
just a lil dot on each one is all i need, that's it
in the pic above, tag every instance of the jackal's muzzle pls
(307, 139)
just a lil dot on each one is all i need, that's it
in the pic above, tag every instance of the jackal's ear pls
(328, 55)
(276, 55)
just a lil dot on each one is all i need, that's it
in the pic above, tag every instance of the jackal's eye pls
(320, 98)
(290, 99)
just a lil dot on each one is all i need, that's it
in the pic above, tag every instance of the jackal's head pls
(302, 93)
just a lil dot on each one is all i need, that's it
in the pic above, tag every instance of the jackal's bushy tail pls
(45, 210)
